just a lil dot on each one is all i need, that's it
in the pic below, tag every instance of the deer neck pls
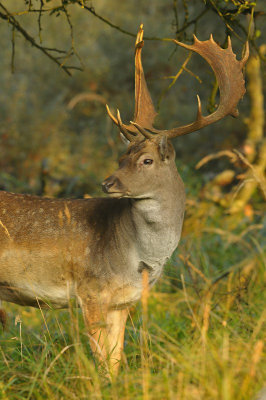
(158, 220)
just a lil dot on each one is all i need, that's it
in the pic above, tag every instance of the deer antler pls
(228, 72)
(144, 110)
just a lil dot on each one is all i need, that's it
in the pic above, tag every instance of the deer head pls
(149, 148)
(140, 168)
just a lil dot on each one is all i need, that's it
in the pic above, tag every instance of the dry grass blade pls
(57, 357)
(194, 268)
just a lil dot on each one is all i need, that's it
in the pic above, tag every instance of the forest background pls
(201, 336)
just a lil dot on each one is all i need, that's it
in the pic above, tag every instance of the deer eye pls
(148, 161)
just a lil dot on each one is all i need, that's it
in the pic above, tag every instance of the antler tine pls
(144, 110)
(143, 131)
(199, 112)
(111, 115)
(228, 72)
(123, 128)
(118, 122)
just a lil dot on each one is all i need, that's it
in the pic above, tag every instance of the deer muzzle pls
(113, 185)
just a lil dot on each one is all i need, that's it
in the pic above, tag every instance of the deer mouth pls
(112, 193)
(116, 195)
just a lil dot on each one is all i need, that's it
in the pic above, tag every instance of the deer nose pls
(108, 183)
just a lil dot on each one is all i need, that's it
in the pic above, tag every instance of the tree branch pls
(15, 24)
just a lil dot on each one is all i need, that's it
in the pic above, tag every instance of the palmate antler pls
(145, 113)
(228, 72)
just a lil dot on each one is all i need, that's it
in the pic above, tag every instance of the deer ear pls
(124, 139)
(163, 147)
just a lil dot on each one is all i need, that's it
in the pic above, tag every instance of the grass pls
(199, 337)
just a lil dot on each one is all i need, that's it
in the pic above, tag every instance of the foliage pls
(43, 139)
(230, 13)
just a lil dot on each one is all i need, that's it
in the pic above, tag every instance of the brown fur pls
(94, 249)
(3, 318)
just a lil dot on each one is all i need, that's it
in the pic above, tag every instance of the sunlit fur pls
(94, 249)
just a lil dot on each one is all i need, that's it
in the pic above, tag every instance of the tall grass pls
(197, 335)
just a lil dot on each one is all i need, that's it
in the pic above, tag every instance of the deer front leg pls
(106, 333)
(116, 322)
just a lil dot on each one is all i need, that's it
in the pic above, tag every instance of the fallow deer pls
(95, 250)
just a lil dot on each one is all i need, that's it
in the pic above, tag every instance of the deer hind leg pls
(106, 333)
(3, 317)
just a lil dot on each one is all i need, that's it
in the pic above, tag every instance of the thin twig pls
(174, 79)
(259, 179)
(176, 23)
(13, 51)
(72, 34)
(192, 74)
(206, 159)
(193, 21)
(218, 11)
(40, 21)
(8, 17)
(93, 12)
